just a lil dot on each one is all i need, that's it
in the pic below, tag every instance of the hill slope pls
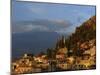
(83, 33)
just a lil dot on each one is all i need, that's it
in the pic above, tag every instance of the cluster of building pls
(41, 63)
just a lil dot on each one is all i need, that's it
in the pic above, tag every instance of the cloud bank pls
(59, 26)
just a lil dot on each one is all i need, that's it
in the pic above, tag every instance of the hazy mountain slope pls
(32, 42)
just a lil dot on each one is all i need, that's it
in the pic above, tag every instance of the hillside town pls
(59, 61)
(66, 56)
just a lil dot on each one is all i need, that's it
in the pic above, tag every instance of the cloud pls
(67, 30)
(28, 28)
(36, 9)
(58, 26)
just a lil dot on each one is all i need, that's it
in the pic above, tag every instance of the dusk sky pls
(61, 18)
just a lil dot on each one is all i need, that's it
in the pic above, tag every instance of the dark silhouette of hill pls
(32, 42)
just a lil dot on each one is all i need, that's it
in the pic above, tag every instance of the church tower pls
(61, 46)
(61, 43)
(57, 44)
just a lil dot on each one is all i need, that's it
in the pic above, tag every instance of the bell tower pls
(63, 41)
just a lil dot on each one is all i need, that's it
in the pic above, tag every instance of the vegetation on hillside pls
(83, 33)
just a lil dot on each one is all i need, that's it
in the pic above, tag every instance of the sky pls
(60, 18)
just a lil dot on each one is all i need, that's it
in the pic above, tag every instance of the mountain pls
(32, 42)
(82, 34)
